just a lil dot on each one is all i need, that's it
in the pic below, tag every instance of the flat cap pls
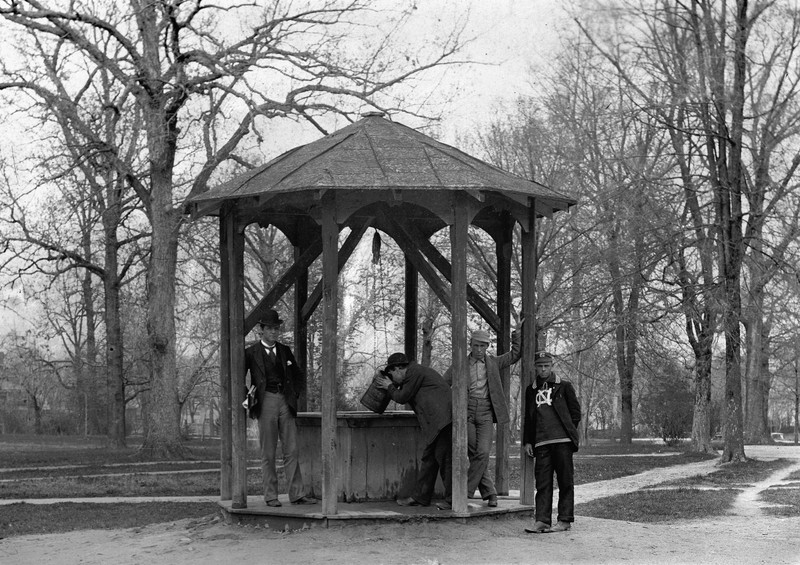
(481, 336)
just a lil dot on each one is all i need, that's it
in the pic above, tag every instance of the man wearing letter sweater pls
(550, 435)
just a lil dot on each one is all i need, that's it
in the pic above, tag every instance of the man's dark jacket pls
(284, 369)
(566, 405)
(429, 396)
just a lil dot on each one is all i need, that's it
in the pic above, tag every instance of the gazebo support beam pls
(411, 310)
(235, 251)
(443, 266)
(418, 261)
(225, 445)
(458, 246)
(503, 250)
(300, 265)
(301, 329)
(349, 245)
(330, 304)
(529, 264)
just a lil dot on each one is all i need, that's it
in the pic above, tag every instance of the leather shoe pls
(444, 505)
(492, 501)
(561, 527)
(538, 528)
(305, 500)
(274, 503)
(410, 501)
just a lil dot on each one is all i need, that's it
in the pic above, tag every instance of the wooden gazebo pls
(373, 173)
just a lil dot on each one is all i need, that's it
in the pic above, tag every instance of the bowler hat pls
(542, 357)
(481, 336)
(396, 360)
(270, 319)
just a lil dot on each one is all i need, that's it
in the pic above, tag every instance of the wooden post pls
(529, 263)
(301, 330)
(235, 248)
(411, 311)
(330, 293)
(458, 245)
(225, 446)
(503, 248)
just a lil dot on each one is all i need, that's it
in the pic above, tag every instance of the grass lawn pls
(784, 502)
(23, 519)
(734, 474)
(660, 505)
(89, 469)
(687, 500)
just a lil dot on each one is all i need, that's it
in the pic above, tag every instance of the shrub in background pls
(667, 405)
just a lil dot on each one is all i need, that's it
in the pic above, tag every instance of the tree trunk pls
(701, 423)
(427, 341)
(733, 449)
(37, 417)
(163, 431)
(87, 388)
(626, 392)
(729, 185)
(160, 114)
(757, 378)
(625, 342)
(115, 382)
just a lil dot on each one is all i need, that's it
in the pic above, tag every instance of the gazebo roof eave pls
(198, 206)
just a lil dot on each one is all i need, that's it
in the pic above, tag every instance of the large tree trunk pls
(163, 430)
(701, 423)
(163, 437)
(729, 183)
(161, 121)
(733, 449)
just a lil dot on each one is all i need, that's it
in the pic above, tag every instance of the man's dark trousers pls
(437, 458)
(549, 458)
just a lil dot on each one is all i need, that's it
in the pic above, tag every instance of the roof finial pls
(374, 114)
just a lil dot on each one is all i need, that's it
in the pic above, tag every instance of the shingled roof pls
(374, 153)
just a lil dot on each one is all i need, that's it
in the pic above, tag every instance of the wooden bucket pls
(376, 399)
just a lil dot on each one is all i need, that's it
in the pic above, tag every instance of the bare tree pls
(700, 53)
(203, 80)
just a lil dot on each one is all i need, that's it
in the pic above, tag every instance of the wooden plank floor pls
(291, 516)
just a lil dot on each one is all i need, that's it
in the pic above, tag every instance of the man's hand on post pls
(518, 321)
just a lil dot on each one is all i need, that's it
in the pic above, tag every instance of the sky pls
(514, 37)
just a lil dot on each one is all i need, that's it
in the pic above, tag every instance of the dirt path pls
(747, 536)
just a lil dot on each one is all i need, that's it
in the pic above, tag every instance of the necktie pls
(271, 353)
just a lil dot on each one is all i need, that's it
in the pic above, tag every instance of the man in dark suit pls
(278, 381)
(429, 396)
(486, 405)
